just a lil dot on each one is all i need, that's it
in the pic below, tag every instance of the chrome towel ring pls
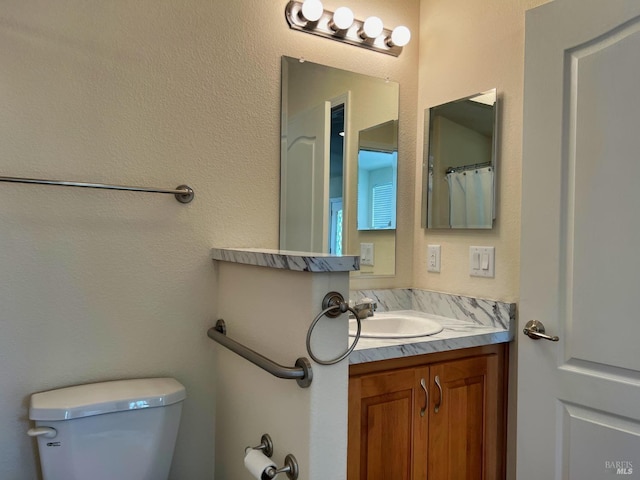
(333, 306)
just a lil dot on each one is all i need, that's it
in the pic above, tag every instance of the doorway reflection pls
(336, 179)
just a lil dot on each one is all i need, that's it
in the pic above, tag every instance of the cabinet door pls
(388, 424)
(463, 419)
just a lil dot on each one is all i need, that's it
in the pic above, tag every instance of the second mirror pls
(460, 163)
(378, 176)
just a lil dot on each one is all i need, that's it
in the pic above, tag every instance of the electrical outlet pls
(433, 258)
(482, 261)
(366, 254)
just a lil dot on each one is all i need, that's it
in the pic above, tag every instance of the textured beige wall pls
(100, 285)
(466, 48)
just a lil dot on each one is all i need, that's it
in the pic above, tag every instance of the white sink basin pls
(395, 325)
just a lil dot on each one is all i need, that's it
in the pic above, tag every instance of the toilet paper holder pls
(266, 445)
(290, 467)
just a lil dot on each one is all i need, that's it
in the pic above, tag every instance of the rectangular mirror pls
(333, 121)
(378, 176)
(459, 168)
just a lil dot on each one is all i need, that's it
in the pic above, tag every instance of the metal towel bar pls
(301, 373)
(183, 193)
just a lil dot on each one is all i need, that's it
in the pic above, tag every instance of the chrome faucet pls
(365, 308)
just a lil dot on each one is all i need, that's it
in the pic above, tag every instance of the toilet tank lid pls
(105, 397)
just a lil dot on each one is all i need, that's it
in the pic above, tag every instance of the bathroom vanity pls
(432, 407)
(445, 411)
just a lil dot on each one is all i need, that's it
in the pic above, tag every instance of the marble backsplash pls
(480, 311)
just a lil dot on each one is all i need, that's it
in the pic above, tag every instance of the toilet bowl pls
(124, 429)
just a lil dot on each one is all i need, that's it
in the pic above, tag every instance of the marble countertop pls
(288, 260)
(457, 334)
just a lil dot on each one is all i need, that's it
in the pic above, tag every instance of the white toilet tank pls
(124, 430)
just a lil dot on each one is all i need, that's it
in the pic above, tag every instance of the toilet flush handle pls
(46, 432)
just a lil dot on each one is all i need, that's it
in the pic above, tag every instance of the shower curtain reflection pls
(470, 198)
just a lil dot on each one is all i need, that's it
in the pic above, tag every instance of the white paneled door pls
(304, 215)
(579, 396)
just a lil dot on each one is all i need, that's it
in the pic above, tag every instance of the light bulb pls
(372, 28)
(399, 37)
(342, 19)
(312, 10)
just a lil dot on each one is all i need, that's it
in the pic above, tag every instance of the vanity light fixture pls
(310, 16)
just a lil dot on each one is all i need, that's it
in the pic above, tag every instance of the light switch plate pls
(366, 254)
(482, 262)
(433, 258)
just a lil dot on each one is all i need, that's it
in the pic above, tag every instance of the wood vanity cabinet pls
(453, 428)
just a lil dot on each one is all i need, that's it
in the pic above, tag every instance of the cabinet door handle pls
(437, 380)
(423, 384)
